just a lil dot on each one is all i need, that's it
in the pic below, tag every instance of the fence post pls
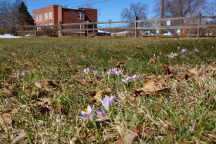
(60, 30)
(35, 30)
(94, 29)
(199, 24)
(87, 30)
(135, 27)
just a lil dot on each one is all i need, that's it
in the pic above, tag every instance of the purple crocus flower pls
(95, 72)
(87, 113)
(115, 71)
(23, 72)
(183, 50)
(100, 116)
(86, 70)
(18, 74)
(172, 55)
(127, 78)
(138, 76)
(196, 50)
(106, 102)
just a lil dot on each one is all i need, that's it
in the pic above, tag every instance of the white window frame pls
(81, 15)
(46, 16)
(40, 17)
(50, 15)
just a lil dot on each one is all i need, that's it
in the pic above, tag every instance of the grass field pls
(163, 90)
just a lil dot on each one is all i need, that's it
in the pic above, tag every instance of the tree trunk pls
(161, 14)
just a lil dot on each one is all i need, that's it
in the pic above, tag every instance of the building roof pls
(78, 9)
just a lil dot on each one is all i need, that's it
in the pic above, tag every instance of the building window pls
(40, 17)
(36, 18)
(46, 16)
(50, 15)
(81, 15)
(82, 27)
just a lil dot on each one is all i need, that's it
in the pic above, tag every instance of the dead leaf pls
(56, 142)
(188, 142)
(152, 85)
(209, 136)
(97, 95)
(43, 109)
(192, 73)
(5, 119)
(120, 65)
(92, 93)
(129, 137)
(138, 92)
(58, 107)
(44, 101)
(38, 84)
(80, 81)
(211, 68)
(168, 69)
(19, 138)
(154, 59)
(53, 84)
(157, 108)
(12, 111)
(9, 86)
(149, 133)
(43, 105)
(6, 92)
(138, 129)
(48, 85)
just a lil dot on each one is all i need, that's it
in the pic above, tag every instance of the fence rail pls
(196, 25)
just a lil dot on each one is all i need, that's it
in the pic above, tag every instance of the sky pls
(107, 9)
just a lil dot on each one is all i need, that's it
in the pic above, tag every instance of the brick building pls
(54, 14)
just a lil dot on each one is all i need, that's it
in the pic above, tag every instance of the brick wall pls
(90, 14)
(63, 15)
(39, 15)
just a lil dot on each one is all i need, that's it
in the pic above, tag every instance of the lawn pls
(108, 90)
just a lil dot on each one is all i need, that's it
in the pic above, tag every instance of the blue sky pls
(108, 9)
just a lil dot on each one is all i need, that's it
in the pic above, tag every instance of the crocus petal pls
(18, 74)
(87, 113)
(183, 50)
(89, 108)
(114, 71)
(112, 98)
(100, 116)
(86, 70)
(172, 55)
(106, 102)
(127, 78)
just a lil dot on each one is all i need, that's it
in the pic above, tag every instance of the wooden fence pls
(180, 26)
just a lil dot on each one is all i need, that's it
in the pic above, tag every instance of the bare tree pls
(210, 8)
(135, 11)
(162, 9)
(181, 8)
(8, 16)
(86, 4)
